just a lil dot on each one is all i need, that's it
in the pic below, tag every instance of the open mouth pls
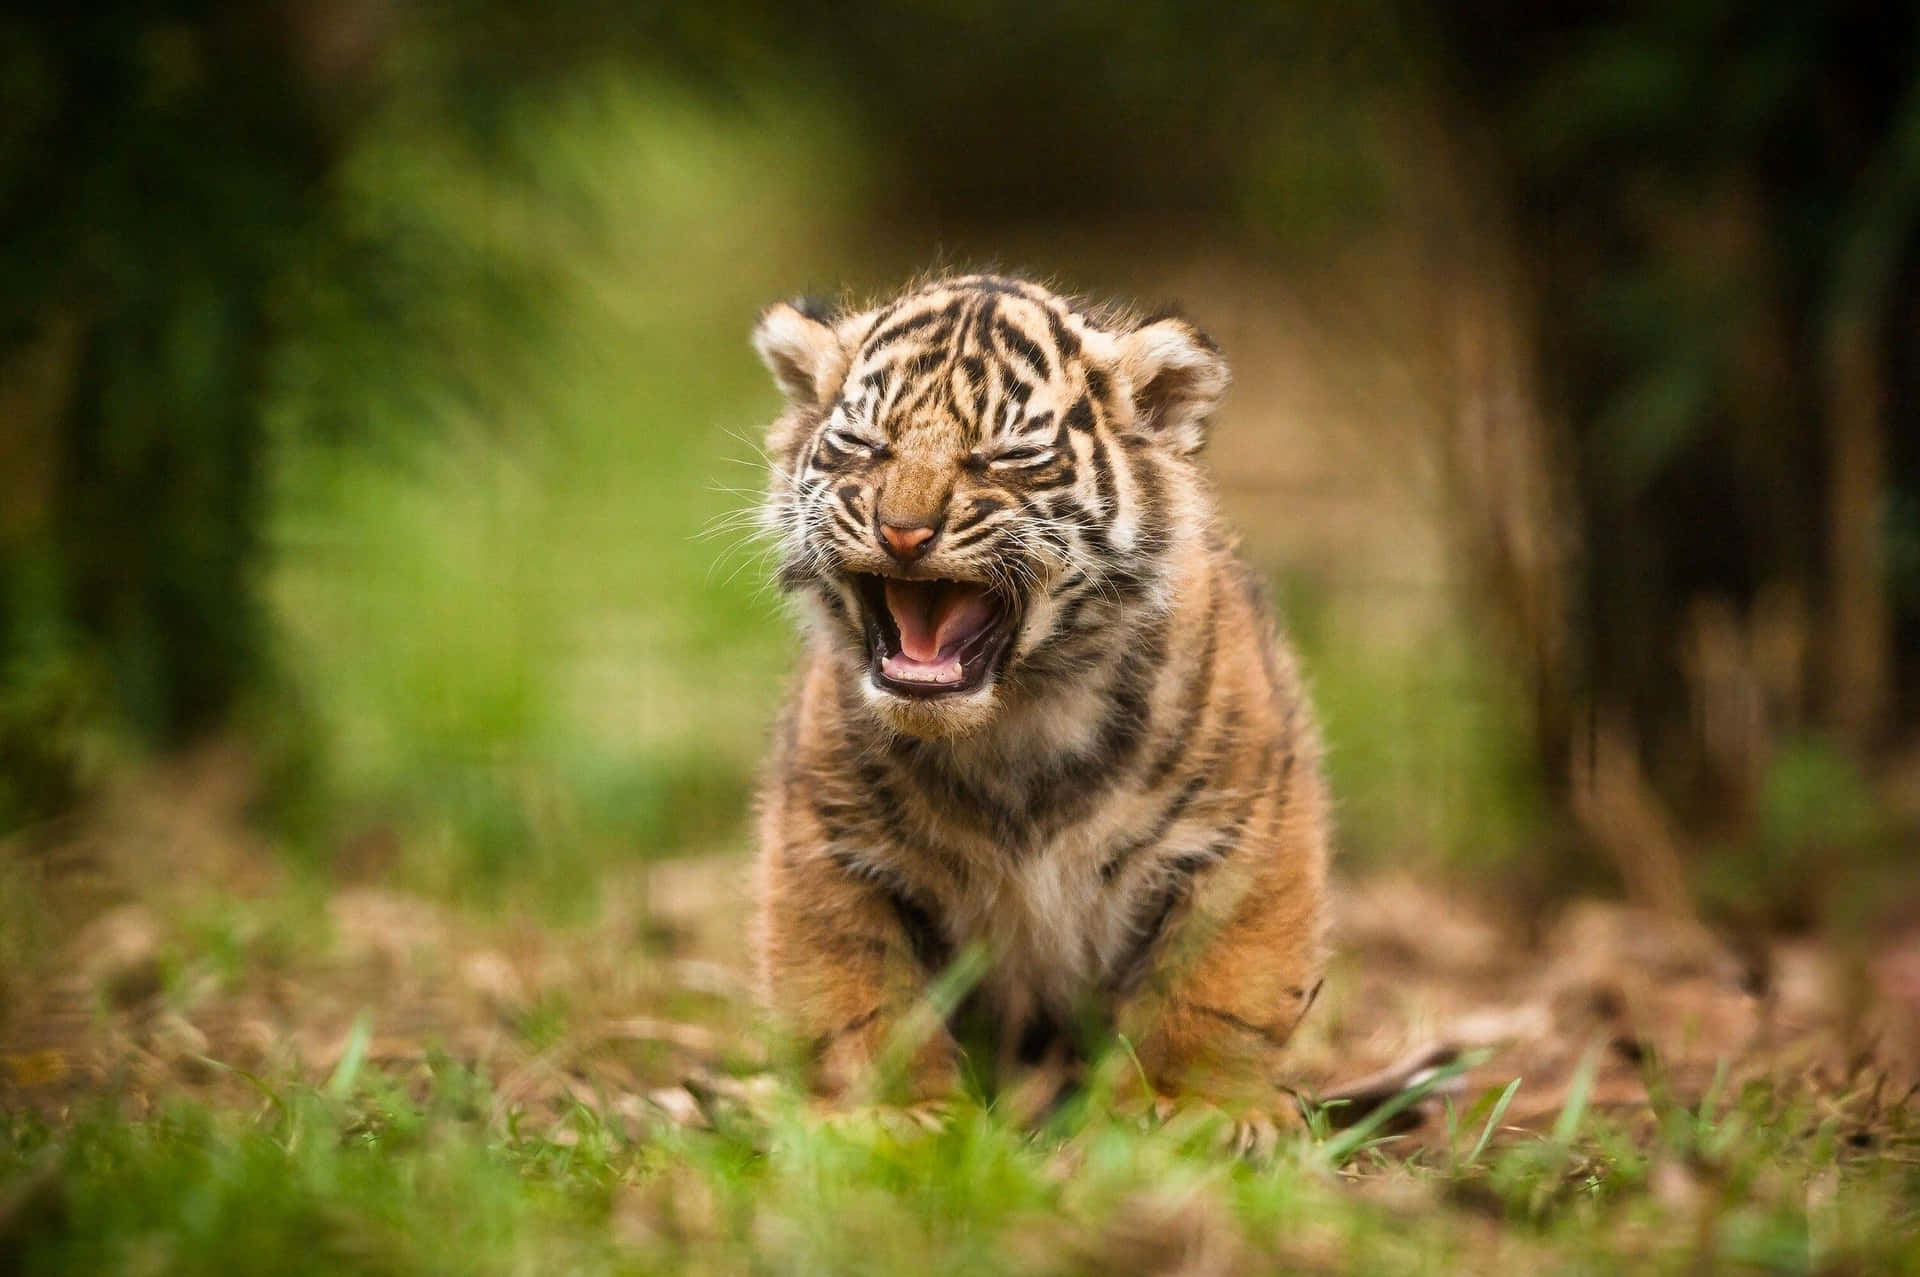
(934, 638)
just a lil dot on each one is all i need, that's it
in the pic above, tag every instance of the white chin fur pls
(938, 718)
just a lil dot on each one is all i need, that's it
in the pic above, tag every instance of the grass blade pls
(1578, 1091)
(1493, 1121)
(340, 1085)
(1350, 1141)
(1710, 1102)
(929, 1015)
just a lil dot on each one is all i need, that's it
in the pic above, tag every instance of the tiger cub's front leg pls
(845, 964)
(1210, 1016)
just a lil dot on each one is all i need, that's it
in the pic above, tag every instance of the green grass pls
(375, 1174)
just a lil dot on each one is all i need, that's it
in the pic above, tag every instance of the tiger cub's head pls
(975, 487)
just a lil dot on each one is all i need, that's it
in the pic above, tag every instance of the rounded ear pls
(1178, 379)
(803, 353)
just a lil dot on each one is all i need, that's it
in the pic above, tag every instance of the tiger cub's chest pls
(1051, 926)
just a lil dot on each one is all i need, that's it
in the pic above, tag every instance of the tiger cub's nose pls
(907, 542)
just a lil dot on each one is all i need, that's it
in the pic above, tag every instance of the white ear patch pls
(1177, 379)
(804, 355)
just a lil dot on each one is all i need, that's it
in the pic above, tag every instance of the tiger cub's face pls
(973, 486)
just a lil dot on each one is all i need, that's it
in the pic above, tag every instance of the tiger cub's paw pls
(900, 1122)
(1252, 1134)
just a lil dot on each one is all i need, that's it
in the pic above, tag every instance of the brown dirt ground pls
(645, 1013)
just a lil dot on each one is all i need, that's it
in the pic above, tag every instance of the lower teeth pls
(951, 672)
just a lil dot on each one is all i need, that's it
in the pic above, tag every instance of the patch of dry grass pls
(233, 1066)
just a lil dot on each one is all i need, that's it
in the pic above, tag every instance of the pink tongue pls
(930, 618)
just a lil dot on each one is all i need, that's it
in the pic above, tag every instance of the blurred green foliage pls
(516, 596)
(1426, 746)
(380, 380)
(1823, 848)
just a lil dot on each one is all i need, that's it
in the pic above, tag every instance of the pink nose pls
(908, 543)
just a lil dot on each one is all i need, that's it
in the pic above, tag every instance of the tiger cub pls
(1043, 712)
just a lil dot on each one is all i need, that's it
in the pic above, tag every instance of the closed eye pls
(844, 440)
(1020, 458)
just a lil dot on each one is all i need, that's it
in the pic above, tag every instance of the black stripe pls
(1131, 969)
(856, 530)
(1080, 416)
(1274, 1033)
(1063, 337)
(1187, 864)
(1062, 438)
(856, 1024)
(818, 1047)
(907, 327)
(924, 393)
(1150, 491)
(842, 815)
(828, 455)
(1100, 387)
(1165, 821)
(892, 814)
(1068, 626)
(1051, 478)
(925, 939)
(981, 508)
(1068, 789)
(1160, 905)
(1224, 843)
(974, 369)
(985, 310)
(1023, 347)
(994, 284)
(930, 946)
(850, 947)
(880, 317)
(1038, 1036)
(886, 803)
(1193, 696)
(1103, 481)
(946, 791)
(1063, 655)
(793, 575)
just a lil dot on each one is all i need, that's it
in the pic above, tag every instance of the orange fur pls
(1125, 809)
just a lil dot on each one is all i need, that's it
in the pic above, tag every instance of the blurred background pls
(376, 411)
